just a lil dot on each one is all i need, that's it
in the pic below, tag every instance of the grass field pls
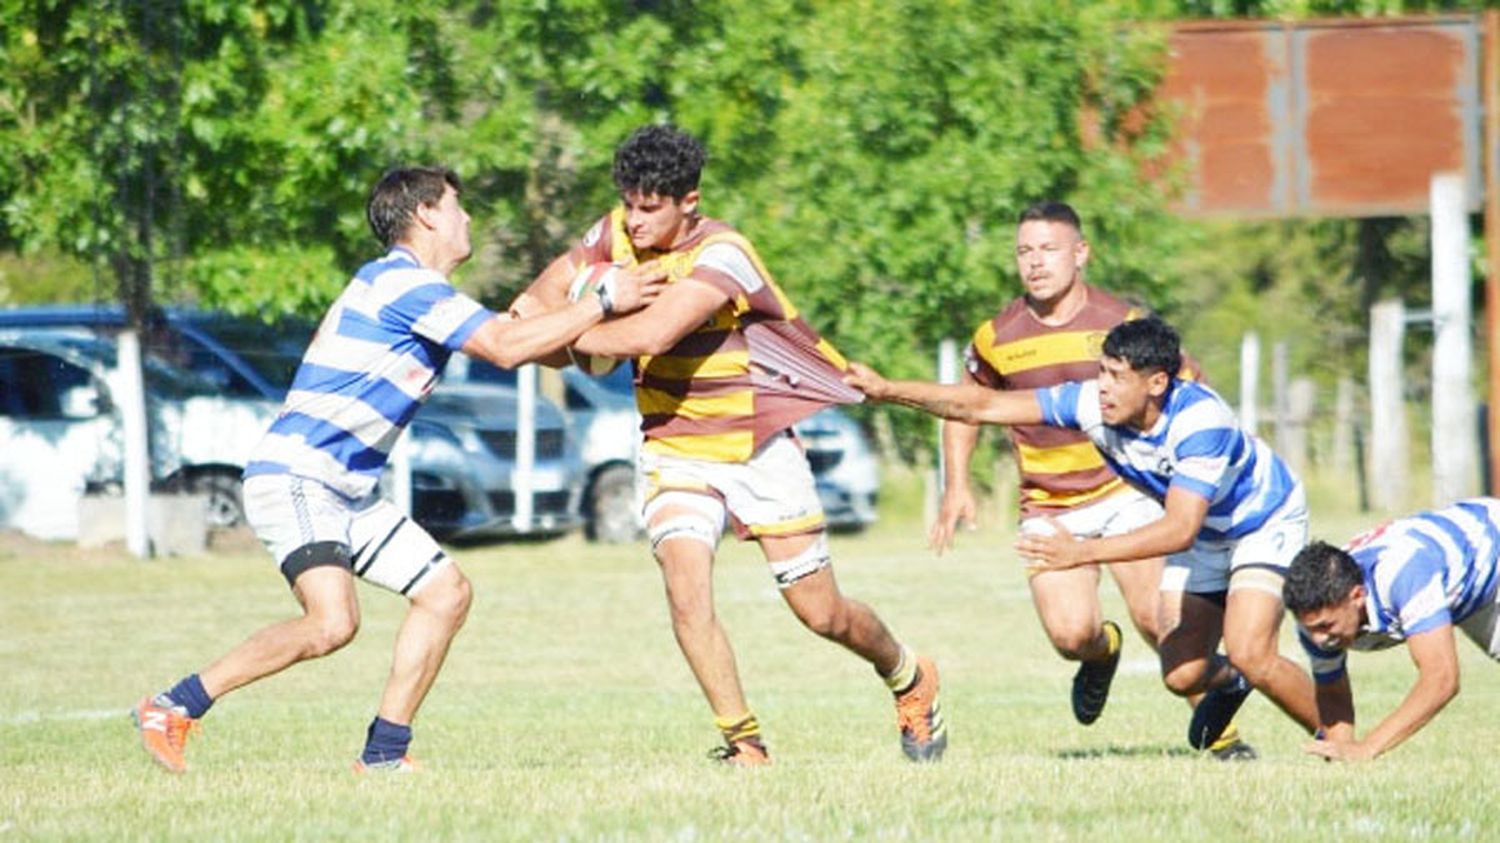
(565, 712)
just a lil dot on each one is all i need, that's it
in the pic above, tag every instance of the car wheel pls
(226, 505)
(611, 511)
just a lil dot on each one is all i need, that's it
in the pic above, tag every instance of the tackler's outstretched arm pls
(967, 402)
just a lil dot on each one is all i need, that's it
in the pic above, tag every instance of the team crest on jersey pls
(1094, 342)
(593, 234)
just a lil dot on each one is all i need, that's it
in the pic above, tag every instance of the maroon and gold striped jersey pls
(1060, 468)
(750, 371)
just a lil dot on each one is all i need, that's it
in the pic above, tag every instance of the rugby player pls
(1048, 336)
(724, 366)
(1233, 513)
(310, 484)
(1409, 581)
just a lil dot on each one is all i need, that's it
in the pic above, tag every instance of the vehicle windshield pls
(273, 350)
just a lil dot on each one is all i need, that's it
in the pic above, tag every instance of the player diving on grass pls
(1409, 581)
(1044, 338)
(1233, 514)
(309, 485)
(724, 366)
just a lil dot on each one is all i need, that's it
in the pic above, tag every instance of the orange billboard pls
(1344, 118)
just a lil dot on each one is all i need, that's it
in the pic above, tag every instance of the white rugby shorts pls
(1258, 560)
(304, 524)
(1483, 627)
(1112, 515)
(771, 494)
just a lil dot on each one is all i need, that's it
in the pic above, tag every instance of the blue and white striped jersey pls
(1421, 572)
(1197, 445)
(374, 360)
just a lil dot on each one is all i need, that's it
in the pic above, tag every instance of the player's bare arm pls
(959, 440)
(681, 308)
(1173, 532)
(550, 289)
(1436, 657)
(508, 341)
(967, 402)
(1336, 710)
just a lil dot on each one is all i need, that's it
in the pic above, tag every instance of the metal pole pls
(525, 446)
(1249, 380)
(947, 373)
(947, 366)
(1281, 406)
(1491, 76)
(401, 472)
(1389, 462)
(132, 406)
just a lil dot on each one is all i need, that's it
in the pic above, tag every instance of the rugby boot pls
(919, 715)
(404, 764)
(1091, 682)
(746, 752)
(164, 729)
(1214, 713)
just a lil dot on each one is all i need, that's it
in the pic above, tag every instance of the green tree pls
(879, 165)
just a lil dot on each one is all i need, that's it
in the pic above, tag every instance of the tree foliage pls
(878, 165)
(877, 152)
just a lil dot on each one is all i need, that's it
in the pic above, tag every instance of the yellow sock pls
(905, 672)
(741, 728)
(1112, 635)
(1229, 737)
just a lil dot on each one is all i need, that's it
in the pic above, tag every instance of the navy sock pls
(190, 695)
(385, 741)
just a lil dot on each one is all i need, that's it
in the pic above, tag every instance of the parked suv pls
(603, 417)
(461, 466)
(61, 434)
(463, 446)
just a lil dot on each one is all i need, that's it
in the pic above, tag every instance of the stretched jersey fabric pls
(1421, 572)
(750, 371)
(374, 359)
(1060, 468)
(1196, 444)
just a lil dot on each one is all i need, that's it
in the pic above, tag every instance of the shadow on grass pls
(1142, 751)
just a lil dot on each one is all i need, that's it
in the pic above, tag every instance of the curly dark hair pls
(395, 198)
(1148, 344)
(1320, 576)
(659, 159)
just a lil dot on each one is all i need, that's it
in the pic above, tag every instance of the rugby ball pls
(586, 283)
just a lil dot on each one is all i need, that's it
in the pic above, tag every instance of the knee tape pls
(692, 526)
(804, 564)
(699, 517)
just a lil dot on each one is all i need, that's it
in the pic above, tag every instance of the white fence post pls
(1389, 458)
(1343, 428)
(401, 472)
(134, 427)
(1455, 445)
(520, 482)
(1279, 399)
(1249, 380)
(947, 366)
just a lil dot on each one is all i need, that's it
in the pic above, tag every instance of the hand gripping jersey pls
(1420, 572)
(752, 370)
(374, 359)
(1060, 468)
(1196, 444)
